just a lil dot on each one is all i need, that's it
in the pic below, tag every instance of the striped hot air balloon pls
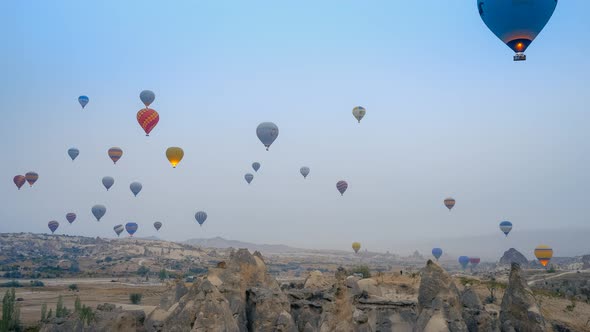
(157, 225)
(131, 228)
(342, 186)
(544, 254)
(70, 217)
(115, 153)
(249, 177)
(437, 252)
(119, 229)
(356, 246)
(31, 178)
(506, 227)
(449, 203)
(148, 119)
(201, 216)
(19, 181)
(53, 225)
(464, 260)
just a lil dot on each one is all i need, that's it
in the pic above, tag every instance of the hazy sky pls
(449, 114)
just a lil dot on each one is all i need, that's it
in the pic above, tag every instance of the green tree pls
(77, 305)
(86, 315)
(163, 274)
(60, 309)
(50, 314)
(44, 312)
(73, 287)
(143, 271)
(135, 298)
(10, 313)
(362, 269)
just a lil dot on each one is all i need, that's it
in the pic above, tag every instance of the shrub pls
(571, 307)
(11, 284)
(135, 298)
(37, 283)
(363, 270)
(73, 287)
(86, 315)
(143, 271)
(163, 274)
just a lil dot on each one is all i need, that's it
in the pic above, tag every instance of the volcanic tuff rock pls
(108, 319)
(513, 256)
(475, 315)
(519, 310)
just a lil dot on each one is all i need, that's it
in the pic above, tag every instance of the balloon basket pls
(519, 56)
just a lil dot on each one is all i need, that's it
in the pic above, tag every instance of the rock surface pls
(513, 256)
(519, 310)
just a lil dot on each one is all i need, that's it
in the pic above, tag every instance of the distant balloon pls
(99, 211)
(53, 225)
(19, 181)
(135, 188)
(83, 100)
(157, 225)
(115, 154)
(249, 177)
(359, 112)
(342, 186)
(73, 153)
(474, 261)
(506, 227)
(201, 216)
(256, 166)
(356, 246)
(147, 97)
(449, 203)
(544, 254)
(108, 182)
(437, 252)
(148, 119)
(31, 178)
(304, 171)
(131, 228)
(464, 261)
(119, 229)
(174, 155)
(70, 217)
(516, 23)
(267, 133)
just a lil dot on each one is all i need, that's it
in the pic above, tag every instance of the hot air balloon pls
(148, 119)
(249, 177)
(119, 229)
(201, 216)
(474, 261)
(437, 252)
(267, 132)
(174, 155)
(135, 188)
(356, 246)
(53, 225)
(115, 154)
(359, 112)
(31, 178)
(99, 211)
(19, 181)
(464, 260)
(147, 97)
(506, 227)
(157, 225)
(543, 254)
(131, 228)
(516, 23)
(83, 100)
(108, 182)
(449, 203)
(304, 171)
(70, 217)
(256, 166)
(73, 153)
(342, 186)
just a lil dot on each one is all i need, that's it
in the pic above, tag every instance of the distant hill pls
(221, 243)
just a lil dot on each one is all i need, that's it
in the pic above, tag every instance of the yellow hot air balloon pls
(174, 155)
(356, 246)
(543, 254)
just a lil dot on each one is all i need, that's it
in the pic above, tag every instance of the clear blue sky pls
(449, 114)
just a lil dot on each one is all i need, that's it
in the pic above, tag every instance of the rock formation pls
(476, 317)
(519, 310)
(513, 256)
(108, 318)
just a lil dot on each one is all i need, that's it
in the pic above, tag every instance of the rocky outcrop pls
(475, 316)
(439, 306)
(519, 310)
(107, 319)
(586, 262)
(513, 256)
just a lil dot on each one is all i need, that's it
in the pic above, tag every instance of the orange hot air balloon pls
(148, 119)
(115, 154)
(544, 254)
(174, 155)
(31, 178)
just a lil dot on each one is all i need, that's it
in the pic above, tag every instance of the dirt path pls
(533, 282)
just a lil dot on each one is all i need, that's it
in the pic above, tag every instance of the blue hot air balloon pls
(131, 228)
(267, 133)
(506, 227)
(516, 22)
(147, 97)
(249, 177)
(464, 261)
(108, 182)
(99, 211)
(256, 166)
(437, 252)
(73, 153)
(135, 188)
(201, 216)
(83, 100)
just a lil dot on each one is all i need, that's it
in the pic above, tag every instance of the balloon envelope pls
(201, 216)
(135, 188)
(83, 100)
(267, 133)
(544, 254)
(157, 225)
(449, 203)
(19, 181)
(304, 171)
(147, 97)
(516, 23)
(506, 227)
(256, 166)
(70, 217)
(31, 178)
(148, 119)
(131, 228)
(342, 186)
(99, 211)
(119, 229)
(359, 112)
(115, 153)
(437, 252)
(356, 246)
(73, 153)
(249, 177)
(463, 260)
(474, 261)
(174, 155)
(53, 225)
(108, 182)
